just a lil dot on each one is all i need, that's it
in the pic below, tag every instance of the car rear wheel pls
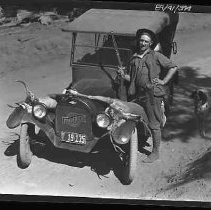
(24, 155)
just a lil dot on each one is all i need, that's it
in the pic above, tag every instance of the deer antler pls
(11, 106)
(28, 92)
(23, 105)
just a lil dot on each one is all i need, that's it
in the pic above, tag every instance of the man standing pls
(146, 86)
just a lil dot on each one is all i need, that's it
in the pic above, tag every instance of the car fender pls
(15, 118)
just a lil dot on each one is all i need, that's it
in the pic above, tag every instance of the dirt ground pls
(40, 55)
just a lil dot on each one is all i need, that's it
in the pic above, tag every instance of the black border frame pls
(57, 201)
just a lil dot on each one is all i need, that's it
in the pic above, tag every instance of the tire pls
(24, 155)
(129, 161)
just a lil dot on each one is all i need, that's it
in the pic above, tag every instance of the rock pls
(53, 15)
(2, 20)
(2, 16)
(45, 20)
(24, 15)
(48, 17)
(1, 13)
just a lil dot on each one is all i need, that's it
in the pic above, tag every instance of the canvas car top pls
(121, 22)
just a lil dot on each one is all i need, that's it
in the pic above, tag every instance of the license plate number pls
(74, 138)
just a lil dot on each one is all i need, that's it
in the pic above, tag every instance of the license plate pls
(73, 138)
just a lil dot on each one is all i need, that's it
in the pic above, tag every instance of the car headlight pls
(103, 120)
(39, 111)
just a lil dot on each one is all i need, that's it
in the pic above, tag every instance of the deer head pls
(29, 95)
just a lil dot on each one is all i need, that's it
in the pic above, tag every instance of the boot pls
(156, 138)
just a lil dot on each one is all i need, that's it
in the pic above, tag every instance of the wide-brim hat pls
(150, 33)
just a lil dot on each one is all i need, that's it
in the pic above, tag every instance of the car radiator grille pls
(74, 119)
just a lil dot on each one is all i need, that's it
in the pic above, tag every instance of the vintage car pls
(94, 107)
(92, 44)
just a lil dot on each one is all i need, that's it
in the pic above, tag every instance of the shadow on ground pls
(104, 160)
(181, 121)
(198, 169)
(13, 145)
(100, 162)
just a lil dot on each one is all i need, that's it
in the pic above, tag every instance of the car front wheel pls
(24, 155)
(129, 160)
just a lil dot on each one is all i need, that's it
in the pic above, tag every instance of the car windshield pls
(98, 49)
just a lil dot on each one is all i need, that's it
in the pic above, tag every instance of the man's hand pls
(64, 91)
(73, 92)
(121, 72)
(158, 81)
(70, 91)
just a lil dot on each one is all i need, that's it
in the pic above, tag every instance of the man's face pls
(144, 42)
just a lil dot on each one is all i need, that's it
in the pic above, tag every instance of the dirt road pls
(184, 169)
